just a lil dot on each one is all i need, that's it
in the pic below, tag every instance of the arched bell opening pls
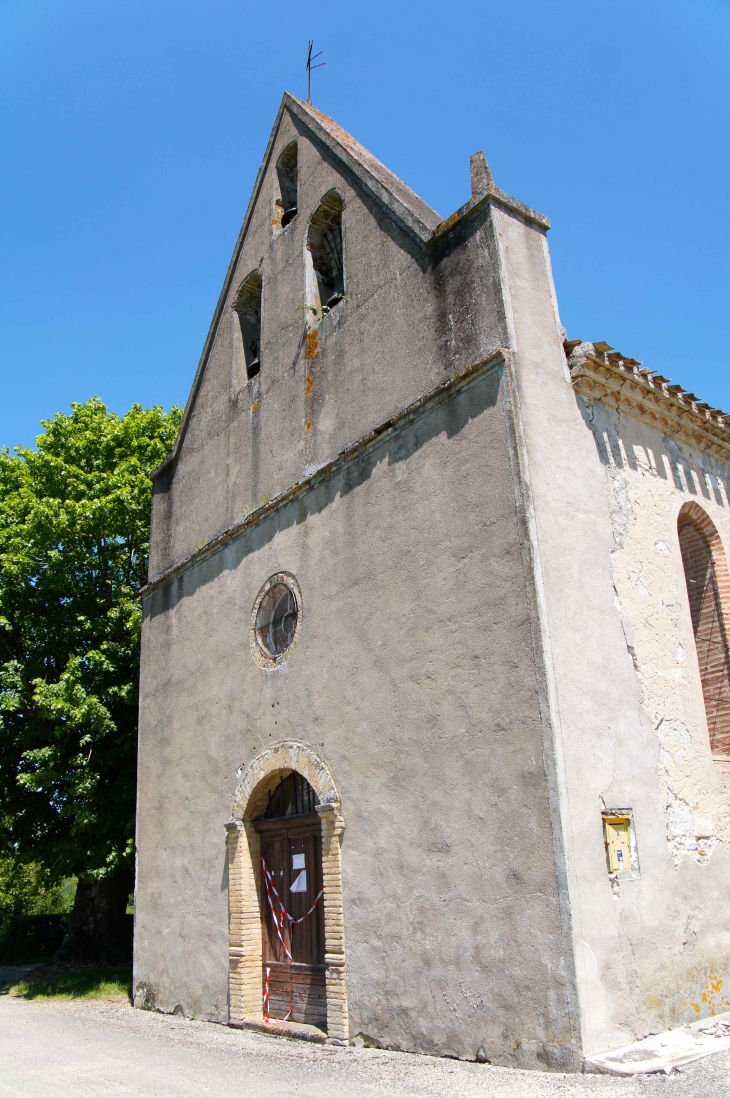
(286, 952)
(287, 171)
(247, 310)
(325, 258)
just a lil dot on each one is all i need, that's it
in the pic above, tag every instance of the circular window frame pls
(265, 661)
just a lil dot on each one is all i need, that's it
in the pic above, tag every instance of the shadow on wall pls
(448, 418)
(623, 442)
(467, 256)
(383, 218)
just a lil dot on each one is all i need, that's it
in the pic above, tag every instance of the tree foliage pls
(27, 888)
(74, 541)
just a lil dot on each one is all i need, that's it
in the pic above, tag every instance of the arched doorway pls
(273, 805)
(293, 964)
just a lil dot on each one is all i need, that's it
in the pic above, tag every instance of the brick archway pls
(708, 590)
(694, 515)
(244, 882)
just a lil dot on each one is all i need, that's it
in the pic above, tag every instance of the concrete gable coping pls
(389, 191)
(404, 205)
(622, 384)
(492, 196)
(207, 346)
(330, 468)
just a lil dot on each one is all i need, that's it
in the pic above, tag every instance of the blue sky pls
(132, 133)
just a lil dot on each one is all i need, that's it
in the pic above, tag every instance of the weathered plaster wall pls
(650, 477)
(497, 647)
(625, 726)
(414, 677)
(405, 326)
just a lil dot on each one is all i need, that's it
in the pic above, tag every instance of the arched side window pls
(326, 271)
(287, 170)
(247, 306)
(708, 589)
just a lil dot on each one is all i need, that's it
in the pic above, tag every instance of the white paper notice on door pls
(297, 861)
(300, 882)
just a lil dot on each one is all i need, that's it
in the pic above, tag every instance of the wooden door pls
(293, 950)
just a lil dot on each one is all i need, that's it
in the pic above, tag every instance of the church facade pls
(435, 701)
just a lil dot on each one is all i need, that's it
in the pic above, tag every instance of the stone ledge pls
(665, 1052)
(298, 1030)
(491, 195)
(378, 436)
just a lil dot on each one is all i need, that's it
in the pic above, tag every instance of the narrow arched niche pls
(708, 591)
(287, 171)
(247, 326)
(324, 255)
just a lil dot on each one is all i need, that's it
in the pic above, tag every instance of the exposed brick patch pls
(708, 588)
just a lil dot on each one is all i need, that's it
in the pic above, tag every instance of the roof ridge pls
(425, 217)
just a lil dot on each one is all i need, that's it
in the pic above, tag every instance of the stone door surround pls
(245, 895)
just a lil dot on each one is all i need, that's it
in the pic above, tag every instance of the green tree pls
(29, 889)
(74, 542)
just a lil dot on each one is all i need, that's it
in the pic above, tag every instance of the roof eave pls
(624, 385)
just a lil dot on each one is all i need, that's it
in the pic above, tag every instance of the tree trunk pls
(99, 930)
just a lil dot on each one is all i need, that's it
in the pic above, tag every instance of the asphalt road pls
(96, 1048)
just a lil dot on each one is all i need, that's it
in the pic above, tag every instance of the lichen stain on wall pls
(649, 477)
(711, 996)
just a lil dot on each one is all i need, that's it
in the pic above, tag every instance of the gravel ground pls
(96, 1048)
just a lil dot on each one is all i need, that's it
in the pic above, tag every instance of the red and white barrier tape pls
(284, 912)
(279, 924)
(267, 996)
(278, 921)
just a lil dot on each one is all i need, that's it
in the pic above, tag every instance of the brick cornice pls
(623, 384)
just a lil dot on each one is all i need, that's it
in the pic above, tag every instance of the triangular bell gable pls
(405, 207)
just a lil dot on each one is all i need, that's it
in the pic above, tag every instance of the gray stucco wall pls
(413, 316)
(463, 664)
(414, 677)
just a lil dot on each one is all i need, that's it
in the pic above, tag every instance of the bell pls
(288, 216)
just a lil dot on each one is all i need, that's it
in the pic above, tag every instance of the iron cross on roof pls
(310, 66)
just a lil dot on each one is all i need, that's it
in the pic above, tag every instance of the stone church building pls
(435, 705)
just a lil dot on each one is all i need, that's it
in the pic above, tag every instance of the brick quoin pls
(708, 588)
